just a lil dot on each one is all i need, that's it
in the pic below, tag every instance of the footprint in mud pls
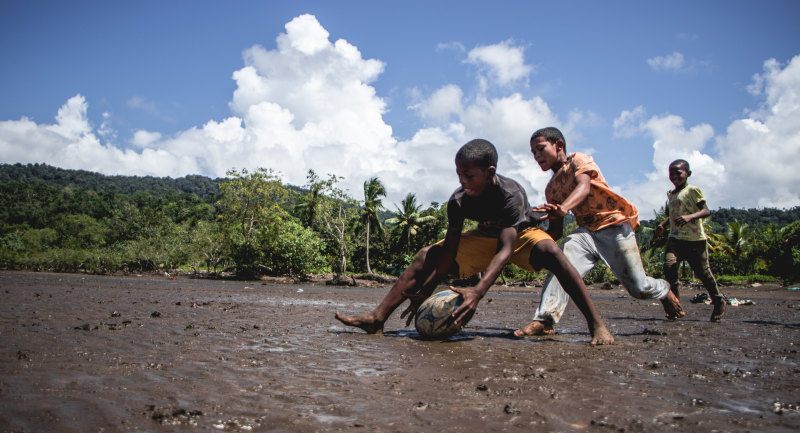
(167, 415)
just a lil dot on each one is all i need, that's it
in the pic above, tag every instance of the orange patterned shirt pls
(602, 207)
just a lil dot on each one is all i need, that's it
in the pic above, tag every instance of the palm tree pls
(408, 220)
(767, 247)
(373, 190)
(308, 205)
(733, 243)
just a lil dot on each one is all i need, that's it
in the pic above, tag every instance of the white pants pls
(616, 246)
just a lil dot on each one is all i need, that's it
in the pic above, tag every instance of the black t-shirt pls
(504, 204)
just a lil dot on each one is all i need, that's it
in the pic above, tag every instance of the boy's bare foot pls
(535, 328)
(601, 335)
(368, 322)
(719, 310)
(672, 306)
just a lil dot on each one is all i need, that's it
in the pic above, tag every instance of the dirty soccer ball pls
(434, 319)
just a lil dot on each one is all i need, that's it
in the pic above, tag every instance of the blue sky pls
(392, 89)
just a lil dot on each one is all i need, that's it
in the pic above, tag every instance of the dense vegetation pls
(250, 223)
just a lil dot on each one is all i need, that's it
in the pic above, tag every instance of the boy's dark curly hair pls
(551, 134)
(478, 151)
(680, 163)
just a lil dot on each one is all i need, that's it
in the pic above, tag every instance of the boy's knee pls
(547, 247)
(431, 252)
(545, 254)
(423, 251)
(419, 257)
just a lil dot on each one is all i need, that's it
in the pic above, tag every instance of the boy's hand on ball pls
(411, 310)
(471, 299)
(416, 298)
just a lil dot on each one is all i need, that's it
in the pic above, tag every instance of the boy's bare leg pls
(416, 278)
(549, 256)
(675, 289)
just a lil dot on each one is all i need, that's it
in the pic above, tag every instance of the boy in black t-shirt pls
(505, 233)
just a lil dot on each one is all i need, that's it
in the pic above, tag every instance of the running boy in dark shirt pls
(505, 232)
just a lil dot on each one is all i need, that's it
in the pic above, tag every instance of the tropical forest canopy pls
(251, 223)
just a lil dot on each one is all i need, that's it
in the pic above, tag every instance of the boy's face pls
(678, 174)
(474, 178)
(545, 153)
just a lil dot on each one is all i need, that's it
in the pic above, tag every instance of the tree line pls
(250, 223)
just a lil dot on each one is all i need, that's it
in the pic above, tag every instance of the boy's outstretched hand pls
(416, 300)
(468, 306)
(550, 210)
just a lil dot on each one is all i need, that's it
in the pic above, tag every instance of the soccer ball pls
(434, 319)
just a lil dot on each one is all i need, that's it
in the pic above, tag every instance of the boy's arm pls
(577, 196)
(556, 212)
(505, 244)
(663, 224)
(660, 227)
(702, 213)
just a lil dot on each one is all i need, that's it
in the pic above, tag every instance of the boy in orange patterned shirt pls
(606, 223)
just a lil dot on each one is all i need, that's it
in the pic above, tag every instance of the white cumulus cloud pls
(503, 63)
(309, 103)
(71, 143)
(753, 162)
(673, 61)
(442, 104)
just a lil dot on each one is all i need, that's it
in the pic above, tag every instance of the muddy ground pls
(87, 353)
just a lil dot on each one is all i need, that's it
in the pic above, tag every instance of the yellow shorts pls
(476, 250)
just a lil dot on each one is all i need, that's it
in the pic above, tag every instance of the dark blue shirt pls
(501, 205)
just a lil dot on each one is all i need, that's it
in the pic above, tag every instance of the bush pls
(514, 273)
(653, 262)
(599, 274)
(297, 250)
